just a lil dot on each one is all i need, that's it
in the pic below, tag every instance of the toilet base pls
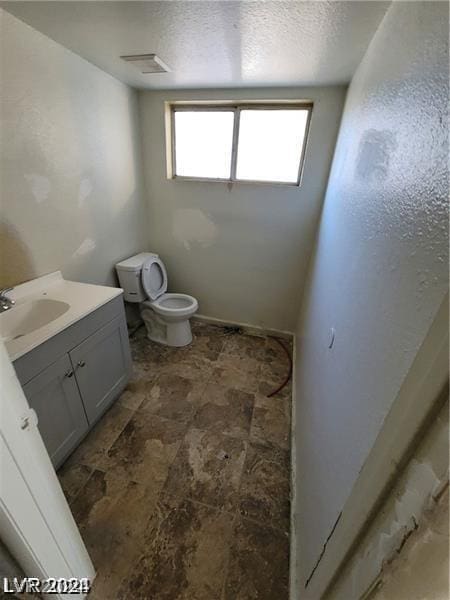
(176, 334)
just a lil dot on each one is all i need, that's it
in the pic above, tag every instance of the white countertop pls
(82, 298)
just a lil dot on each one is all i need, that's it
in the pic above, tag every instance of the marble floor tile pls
(259, 563)
(237, 372)
(207, 343)
(145, 449)
(276, 366)
(144, 375)
(135, 393)
(194, 366)
(181, 491)
(209, 329)
(184, 555)
(267, 387)
(112, 516)
(246, 346)
(265, 487)
(271, 422)
(225, 410)
(207, 468)
(72, 478)
(275, 352)
(96, 444)
(146, 353)
(174, 397)
(99, 492)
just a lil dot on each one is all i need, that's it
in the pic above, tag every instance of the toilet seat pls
(154, 277)
(173, 305)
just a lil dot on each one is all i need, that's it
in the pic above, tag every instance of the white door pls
(35, 520)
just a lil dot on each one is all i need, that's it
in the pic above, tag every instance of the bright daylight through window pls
(260, 143)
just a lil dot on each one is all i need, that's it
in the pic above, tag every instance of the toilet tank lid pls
(134, 263)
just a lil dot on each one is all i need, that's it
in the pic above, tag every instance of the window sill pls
(235, 181)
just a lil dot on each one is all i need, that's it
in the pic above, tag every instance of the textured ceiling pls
(214, 44)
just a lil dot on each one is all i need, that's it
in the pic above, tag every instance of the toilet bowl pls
(167, 319)
(166, 316)
(175, 307)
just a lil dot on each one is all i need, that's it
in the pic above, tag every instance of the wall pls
(421, 569)
(404, 553)
(71, 189)
(241, 250)
(379, 271)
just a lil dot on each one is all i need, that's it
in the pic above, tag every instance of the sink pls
(25, 318)
(44, 307)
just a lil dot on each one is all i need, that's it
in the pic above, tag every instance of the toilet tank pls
(129, 274)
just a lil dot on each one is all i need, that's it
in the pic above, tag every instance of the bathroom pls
(249, 351)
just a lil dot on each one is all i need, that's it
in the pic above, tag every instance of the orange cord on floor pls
(279, 388)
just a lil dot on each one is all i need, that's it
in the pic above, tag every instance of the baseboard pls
(293, 583)
(247, 327)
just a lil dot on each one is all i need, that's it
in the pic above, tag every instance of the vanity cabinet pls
(55, 397)
(100, 367)
(71, 379)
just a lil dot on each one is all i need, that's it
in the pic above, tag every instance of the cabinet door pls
(102, 366)
(54, 395)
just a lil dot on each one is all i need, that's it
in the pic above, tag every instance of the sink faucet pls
(5, 302)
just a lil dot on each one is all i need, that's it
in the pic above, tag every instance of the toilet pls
(143, 278)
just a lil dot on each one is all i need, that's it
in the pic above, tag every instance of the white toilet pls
(143, 278)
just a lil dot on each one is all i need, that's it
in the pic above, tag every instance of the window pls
(204, 141)
(249, 143)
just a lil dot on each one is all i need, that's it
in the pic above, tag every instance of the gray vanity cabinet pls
(54, 395)
(71, 379)
(101, 367)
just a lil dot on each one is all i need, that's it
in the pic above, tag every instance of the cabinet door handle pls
(69, 373)
(28, 420)
(81, 363)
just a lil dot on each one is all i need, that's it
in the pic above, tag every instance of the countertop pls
(82, 298)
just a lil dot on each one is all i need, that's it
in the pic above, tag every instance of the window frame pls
(236, 107)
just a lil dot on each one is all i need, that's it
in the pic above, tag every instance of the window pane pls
(270, 144)
(203, 143)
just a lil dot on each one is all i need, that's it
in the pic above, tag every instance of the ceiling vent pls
(147, 63)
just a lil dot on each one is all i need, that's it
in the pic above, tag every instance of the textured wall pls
(421, 569)
(71, 194)
(415, 512)
(380, 269)
(242, 251)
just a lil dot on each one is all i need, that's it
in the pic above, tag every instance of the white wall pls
(415, 511)
(379, 272)
(242, 251)
(71, 189)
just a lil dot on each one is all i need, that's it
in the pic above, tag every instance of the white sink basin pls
(23, 319)
(46, 306)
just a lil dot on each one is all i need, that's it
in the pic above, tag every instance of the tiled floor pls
(182, 489)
